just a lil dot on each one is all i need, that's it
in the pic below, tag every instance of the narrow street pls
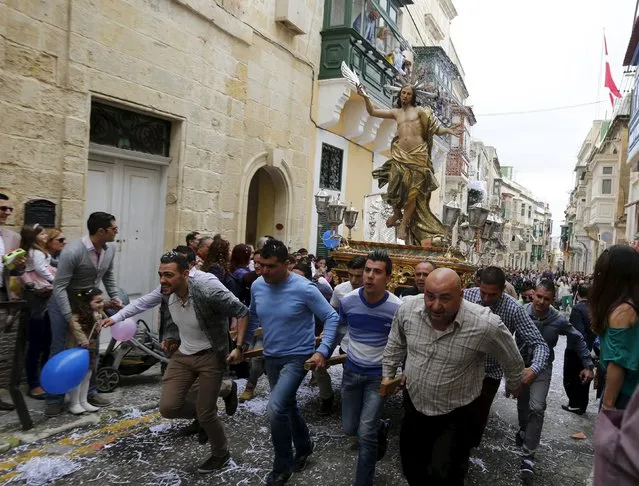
(136, 446)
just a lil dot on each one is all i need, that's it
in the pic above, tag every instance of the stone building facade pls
(599, 211)
(527, 226)
(175, 115)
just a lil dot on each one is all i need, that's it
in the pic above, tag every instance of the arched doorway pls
(260, 215)
(265, 200)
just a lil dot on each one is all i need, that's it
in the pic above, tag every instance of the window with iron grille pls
(331, 168)
(129, 130)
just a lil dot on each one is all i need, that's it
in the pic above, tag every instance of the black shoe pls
(519, 438)
(98, 400)
(299, 463)
(230, 400)
(527, 469)
(576, 410)
(214, 463)
(202, 436)
(53, 409)
(382, 438)
(326, 408)
(277, 479)
(190, 429)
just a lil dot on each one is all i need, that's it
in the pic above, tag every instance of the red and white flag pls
(613, 91)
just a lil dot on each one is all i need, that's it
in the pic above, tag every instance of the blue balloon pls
(331, 242)
(64, 371)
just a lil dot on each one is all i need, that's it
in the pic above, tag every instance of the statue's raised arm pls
(353, 79)
(370, 108)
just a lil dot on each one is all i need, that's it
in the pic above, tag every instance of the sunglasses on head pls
(6, 209)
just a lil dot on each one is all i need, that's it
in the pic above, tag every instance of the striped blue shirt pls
(368, 329)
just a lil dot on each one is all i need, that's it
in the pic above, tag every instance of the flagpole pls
(601, 63)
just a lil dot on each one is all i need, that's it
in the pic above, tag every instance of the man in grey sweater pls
(83, 265)
(531, 403)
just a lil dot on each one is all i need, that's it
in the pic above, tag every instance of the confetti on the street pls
(132, 413)
(479, 463)
(159, 428)
(43, 470)
(168, 478)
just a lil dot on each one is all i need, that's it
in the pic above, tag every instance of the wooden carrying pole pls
(334, 360)
(253, 353)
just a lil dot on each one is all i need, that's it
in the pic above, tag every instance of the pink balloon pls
(125, 330)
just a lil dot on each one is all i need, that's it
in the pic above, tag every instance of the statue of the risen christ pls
(409, 173)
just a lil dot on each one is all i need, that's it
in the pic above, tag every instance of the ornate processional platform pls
(404, 258)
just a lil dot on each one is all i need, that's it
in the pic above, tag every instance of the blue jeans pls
(361, 414)
(285, 375)
(59, 330)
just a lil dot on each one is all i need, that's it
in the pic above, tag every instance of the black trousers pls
(435, 449)
(489, 389)
(577, 392)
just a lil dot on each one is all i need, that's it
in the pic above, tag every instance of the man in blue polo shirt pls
(368, 312)
(286, 304)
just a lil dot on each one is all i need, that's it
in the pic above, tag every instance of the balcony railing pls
(438, 72)
(365, 36)
(456, 163)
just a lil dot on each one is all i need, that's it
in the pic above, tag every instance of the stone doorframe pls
(277, 163)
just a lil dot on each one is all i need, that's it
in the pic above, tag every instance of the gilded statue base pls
(404, 258)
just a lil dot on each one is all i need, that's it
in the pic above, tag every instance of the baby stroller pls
(129, 358)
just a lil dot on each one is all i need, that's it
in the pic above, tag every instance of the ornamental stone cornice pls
(335, 103)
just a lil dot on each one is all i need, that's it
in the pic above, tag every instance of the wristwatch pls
(242, 347)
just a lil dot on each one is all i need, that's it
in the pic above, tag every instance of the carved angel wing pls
(350, 75)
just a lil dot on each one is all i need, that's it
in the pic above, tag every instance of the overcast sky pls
(529, 55)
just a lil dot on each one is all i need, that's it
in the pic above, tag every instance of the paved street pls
(138, 447)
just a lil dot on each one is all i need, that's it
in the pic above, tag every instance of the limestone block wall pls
(233, 82)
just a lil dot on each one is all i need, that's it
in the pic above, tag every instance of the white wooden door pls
(130, 191)
(137, 265)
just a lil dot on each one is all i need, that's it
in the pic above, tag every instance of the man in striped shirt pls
(491, 293)
(368, 312)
